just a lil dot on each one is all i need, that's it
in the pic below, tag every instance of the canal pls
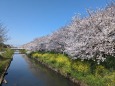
(24, 71)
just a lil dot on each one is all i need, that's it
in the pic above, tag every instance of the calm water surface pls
(26, 72)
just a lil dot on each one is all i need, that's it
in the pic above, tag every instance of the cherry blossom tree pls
(91, 37)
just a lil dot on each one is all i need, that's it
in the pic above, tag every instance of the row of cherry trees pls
(92, 37)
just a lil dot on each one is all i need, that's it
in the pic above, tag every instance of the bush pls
(63, 63)
(100, 71)
(62, 60)
(80, 66)
(109, 63)
(91, 80)
(110, 79)
(36, 55)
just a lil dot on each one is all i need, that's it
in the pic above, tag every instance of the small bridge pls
(16, 48)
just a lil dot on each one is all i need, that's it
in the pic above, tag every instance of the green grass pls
(5, 59)
(3, 64)
(86, 71)
(7, 53)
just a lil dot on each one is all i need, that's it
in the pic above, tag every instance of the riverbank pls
(4, 70)
(79, 72)
(5, 60)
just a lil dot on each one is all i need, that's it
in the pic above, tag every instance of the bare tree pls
(3, 34)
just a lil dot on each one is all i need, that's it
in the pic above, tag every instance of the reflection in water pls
(27, 72)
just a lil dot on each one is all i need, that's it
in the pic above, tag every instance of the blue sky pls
(29, 19)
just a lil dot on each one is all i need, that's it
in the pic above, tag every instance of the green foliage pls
(100, 71)
(64, 63)
(3, 63)
(7, 53)
(5, 58)
(23, 51)
(80, 66)
(109, 63)
(1, 57)
(91, 80)
(110, 79)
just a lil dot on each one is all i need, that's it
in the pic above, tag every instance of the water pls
(24, 71)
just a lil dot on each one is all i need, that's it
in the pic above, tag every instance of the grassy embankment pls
(87, 71)
(5, 59)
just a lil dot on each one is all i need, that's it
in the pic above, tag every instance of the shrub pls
(109, 63)
(36, 55)
(61, 60)
(64, 63)
(100, 71)
(110, 79)
(80, 66)
(91, 80)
